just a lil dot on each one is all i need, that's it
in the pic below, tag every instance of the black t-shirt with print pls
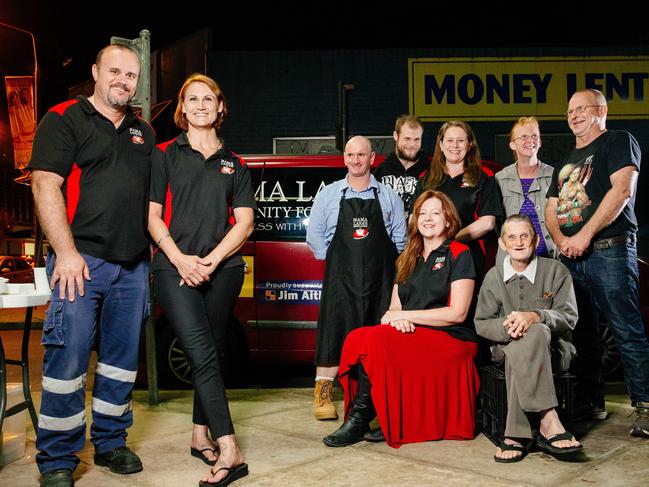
(583, 179)
(429, 285)
(404, 181)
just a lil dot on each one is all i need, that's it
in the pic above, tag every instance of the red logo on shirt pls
(360, 233)
(137, 139)
(226, 170)
(439, 263)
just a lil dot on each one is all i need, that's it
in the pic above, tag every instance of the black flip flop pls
(506, 447)
(546, 444)
(195, 452)
(234, 473)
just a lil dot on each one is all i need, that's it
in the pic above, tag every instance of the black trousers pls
(199, 317)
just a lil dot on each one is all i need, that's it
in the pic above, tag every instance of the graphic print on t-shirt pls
(403, 185)
(573, 198)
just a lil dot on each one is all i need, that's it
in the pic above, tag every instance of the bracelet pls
(161, 239)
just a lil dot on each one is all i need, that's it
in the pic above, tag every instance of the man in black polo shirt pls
(91, 165)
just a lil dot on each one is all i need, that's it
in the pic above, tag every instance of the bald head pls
(595, 97)
(359, 140)
(359, 157)
(115, 47)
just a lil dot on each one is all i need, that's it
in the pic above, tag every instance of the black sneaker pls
(598, 412)
(640, 426)
(119, 460)
(61, 477)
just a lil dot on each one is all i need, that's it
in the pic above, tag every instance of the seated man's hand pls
(518, 322)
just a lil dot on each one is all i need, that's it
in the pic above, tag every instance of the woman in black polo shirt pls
(201, 213)
(416, 370)
(455, 170)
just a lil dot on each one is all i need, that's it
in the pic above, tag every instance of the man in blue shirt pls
(358, 226)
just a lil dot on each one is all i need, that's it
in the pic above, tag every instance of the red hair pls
(415, 246)
(179, 117)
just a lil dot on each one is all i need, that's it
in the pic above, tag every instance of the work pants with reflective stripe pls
(109, 315)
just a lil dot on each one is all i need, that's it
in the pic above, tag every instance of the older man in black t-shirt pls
(591, 219)
(91, 165)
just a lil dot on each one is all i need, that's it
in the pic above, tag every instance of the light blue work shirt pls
(326, 206)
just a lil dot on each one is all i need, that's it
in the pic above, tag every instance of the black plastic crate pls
(493, 400)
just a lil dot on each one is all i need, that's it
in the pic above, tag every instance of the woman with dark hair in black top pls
(200, 214)
(456, 171)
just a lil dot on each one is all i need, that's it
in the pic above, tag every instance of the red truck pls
(275, 317)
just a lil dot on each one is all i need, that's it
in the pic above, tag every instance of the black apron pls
(358, 278)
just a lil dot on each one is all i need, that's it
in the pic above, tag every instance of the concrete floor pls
(282, 445)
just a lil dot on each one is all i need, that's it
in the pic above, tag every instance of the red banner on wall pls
(22, 118)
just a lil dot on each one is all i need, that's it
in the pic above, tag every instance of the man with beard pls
(91, 165)
(401, 169)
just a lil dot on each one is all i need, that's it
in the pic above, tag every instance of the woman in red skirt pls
(415, 371)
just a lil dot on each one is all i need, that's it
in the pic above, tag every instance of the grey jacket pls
(510, 187)
(552, 296)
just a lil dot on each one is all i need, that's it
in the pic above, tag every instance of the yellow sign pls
(443, 89)
(247, 290)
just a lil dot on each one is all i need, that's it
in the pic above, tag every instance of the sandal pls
(546, 443)
(234, 473)
(195, 452)
(507, 447)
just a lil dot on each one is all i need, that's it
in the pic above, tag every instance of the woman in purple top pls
(523, 184)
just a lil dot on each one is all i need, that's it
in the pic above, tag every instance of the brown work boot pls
(323, 406)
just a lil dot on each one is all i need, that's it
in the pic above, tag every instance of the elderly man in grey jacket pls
(523, 303)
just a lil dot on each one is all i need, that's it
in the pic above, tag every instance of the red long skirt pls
(424, 384)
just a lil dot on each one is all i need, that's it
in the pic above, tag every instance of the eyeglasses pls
(579, 110)
(526, 137)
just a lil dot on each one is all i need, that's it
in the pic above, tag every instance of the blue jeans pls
(108, 315)
(606, 282)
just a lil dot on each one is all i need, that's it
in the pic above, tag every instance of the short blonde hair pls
(522, 121)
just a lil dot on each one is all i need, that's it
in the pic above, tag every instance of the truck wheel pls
(611, 359)
(174, 371)
(173, 367)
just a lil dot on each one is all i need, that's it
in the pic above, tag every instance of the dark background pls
(69, 33)
(279, 65)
